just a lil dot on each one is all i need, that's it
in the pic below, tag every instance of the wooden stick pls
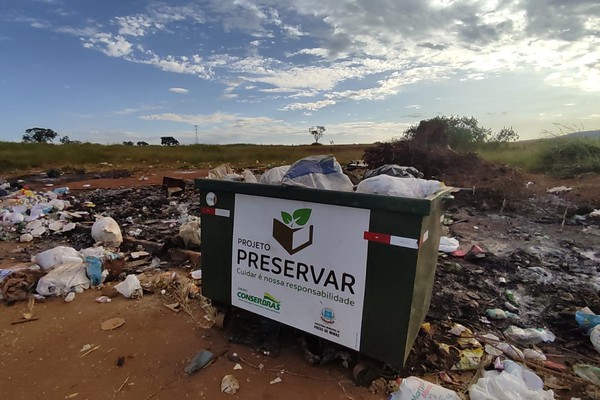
(22, 321)
(122, 384)
(89, 351)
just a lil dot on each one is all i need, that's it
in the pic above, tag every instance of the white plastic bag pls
(248, 176)
(318, 172)
(130, 287)
(107, 231)
(413, 388)
(274, 175)
(514, 383)
(58, 255)
(64, 278)
(400, 187)
(448, 244)
(190, 232)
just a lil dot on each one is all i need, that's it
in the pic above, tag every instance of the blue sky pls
(265, 72)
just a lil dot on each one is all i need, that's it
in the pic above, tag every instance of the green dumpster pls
(355, 269)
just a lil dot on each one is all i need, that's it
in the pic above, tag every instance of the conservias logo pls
(291, 232)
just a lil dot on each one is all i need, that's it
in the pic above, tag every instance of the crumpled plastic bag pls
(448, 244)
(274, 176)
(190, 232)
(413, 388)
(56, 256)
(248, 176)
(400, 187)
(130, 287)
(64, 278)
(106, 231)
(514, 383)
(394, 170)
(318, 172)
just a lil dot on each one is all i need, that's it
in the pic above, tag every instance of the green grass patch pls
(559, 157)
(16, 157)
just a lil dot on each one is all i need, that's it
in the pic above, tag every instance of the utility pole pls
(196, 129)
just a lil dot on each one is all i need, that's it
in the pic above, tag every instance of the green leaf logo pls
(287, 218)
(301, 216)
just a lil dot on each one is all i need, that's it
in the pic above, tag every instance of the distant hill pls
(582, 134)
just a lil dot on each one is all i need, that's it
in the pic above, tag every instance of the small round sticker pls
(211, 199)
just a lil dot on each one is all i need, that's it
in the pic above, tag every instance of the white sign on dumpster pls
(302, 264)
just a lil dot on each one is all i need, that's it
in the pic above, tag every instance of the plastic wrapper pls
(399, 187)
(318, 172)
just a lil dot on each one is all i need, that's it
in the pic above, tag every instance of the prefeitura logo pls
(293, 234)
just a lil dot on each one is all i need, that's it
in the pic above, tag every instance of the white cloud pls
(109, 44)
(313, 106)
(179, 90)
(210, 119)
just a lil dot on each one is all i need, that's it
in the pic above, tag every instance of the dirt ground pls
(43, 358)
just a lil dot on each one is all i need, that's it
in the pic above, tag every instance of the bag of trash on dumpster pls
(394, 170)
(400, 187)
(64, 278)
(514, 383)
(107, 231)
(56, 256)
(413, 388)
(318, 172)
(248, 176)
(274, 176)
(130, 287)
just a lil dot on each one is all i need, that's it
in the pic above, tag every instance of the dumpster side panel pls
(425, 271)
(389, 288)
(217, 231)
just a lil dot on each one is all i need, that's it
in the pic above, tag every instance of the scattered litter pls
(413, 388)
(229, 384)
(197, 274)
(448, 245)
(588, 372)
(276, 380)
(103, 299)
(112, 323)
(237, 366)
(130, 287)
(200, 360)
(67, 277)
(57, 255)
(106, 231)
(513, 383)
(558, 190)
(530, 335)
(70, 297)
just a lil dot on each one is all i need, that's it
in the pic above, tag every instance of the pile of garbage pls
(26, 214)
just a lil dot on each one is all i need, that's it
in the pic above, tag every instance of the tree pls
(129, 143)
(141, 143)
(317, 132)
(505, 135)
(66, 140)
(39, 135)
